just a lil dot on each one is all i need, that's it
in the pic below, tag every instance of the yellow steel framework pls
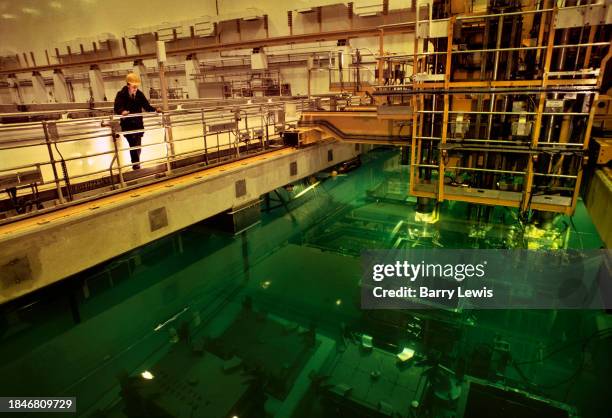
(543, 151)
(448, 85)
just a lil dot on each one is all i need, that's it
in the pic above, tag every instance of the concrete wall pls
(598, 202)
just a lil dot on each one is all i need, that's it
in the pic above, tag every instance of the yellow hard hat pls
(133, 79)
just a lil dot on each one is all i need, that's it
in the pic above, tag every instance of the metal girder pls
(243, 44)
(28, 263)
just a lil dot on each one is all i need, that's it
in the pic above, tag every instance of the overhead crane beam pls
(226, 46)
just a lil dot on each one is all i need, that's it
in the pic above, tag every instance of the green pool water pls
(300, 267)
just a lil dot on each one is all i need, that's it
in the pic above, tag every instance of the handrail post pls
(115, 129)
(168, 140)
(58, 186)
(204, 136)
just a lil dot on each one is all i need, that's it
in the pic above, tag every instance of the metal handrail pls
(54, 135)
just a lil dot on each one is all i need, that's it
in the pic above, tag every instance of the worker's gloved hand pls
(124, 113)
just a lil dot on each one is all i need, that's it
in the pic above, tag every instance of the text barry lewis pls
(426, 292)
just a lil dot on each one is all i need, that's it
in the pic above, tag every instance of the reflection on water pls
(268, 323)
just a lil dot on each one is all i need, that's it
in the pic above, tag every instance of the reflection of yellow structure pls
(428, 218)
(539, 238)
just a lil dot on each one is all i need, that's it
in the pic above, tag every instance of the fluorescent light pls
(306, 190)
(406, 354)
(147, 375)
(30, 11)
